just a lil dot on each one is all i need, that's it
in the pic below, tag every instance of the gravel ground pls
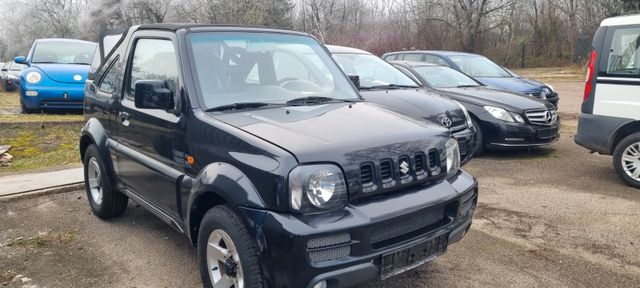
(551, 217)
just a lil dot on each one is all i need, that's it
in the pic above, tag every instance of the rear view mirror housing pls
(355, 79)
(153, 94)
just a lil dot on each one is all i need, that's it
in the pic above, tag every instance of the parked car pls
(253, 143)
(610, 120)
(482, 69)
(10, 76)
(502, 119)
(383, 84)
(55, 74)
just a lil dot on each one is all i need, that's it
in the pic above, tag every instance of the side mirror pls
(153, 94)
(355, 79)
(20, 60)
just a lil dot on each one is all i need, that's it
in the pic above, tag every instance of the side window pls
(153, 59)
(412, 57)
(108, 82)
(624, 55)
(391, 57)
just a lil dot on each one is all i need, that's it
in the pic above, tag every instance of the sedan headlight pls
(550, 87)
(317, 188)
(466, 113)
(503, 114)
(33, 77)
(453, 157)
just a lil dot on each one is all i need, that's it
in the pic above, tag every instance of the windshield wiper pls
(239, 106)
(391, 86)
(314, 100)
(466, 86)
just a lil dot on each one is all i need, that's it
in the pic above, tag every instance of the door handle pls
(124, 118)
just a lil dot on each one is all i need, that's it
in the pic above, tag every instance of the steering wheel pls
(286, 79)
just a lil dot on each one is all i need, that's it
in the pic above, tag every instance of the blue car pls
(482, 69)
(55, 74)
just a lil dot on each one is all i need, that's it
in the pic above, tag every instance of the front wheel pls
(26, 110)
(227, 254)
(626, 159)
(479, 147)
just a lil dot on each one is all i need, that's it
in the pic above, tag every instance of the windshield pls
(373, 71)
(444, 77)
(479, 66)
(266, 68)
(63, 52)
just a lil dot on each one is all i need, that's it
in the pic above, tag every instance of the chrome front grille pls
(542, 116)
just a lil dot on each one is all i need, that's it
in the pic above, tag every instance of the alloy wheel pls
(631, 161)
(223, 261)
(95, 183)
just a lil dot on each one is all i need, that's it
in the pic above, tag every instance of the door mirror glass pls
(153, 94)
(355, 79)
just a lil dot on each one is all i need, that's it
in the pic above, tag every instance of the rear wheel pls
(626, 159)
(227, 254)
(479, 147)
(105, 202)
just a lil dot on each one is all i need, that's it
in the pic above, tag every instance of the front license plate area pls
(399, 261)
(547, 133)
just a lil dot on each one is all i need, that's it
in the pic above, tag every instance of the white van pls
(610, 120)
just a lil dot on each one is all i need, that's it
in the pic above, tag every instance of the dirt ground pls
(550, 217)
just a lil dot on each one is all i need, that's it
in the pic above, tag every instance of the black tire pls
(479, 147)
(224, 218)
(26, 110)
(617, 159)
(113, 203)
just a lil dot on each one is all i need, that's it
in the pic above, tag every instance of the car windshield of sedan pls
(373, 71)
(479, 66)
(63, 52)
(444, 77)
(259, 69)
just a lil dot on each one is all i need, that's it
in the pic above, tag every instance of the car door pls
(618, 82)
(150, 153)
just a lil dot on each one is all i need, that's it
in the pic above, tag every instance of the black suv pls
(253, 143)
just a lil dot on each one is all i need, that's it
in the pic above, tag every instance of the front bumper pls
(64, 96)
(500, 134)
(374, 228)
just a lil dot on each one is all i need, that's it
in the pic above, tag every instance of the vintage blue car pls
(55, 74)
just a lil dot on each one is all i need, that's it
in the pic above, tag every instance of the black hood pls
(331, 132)
(485, 96)
(417, 102)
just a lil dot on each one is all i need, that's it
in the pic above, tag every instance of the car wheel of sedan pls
(227, 254)
(104, 201)
(626, 159)
(478, 149)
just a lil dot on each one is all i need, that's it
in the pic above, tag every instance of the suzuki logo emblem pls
(404, 167)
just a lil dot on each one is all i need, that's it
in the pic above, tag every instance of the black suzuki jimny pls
(254, 144)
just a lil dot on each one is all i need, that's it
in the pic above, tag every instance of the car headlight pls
(14, 77)
(453, 156)
(551, 89)
(317, 188)
(466, 113)
(503, 114)
(33, 77)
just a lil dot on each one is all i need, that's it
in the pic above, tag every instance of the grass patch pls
(7, 276)
(42, 240)
(40, 145)
(33, 242)
(557, 73)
